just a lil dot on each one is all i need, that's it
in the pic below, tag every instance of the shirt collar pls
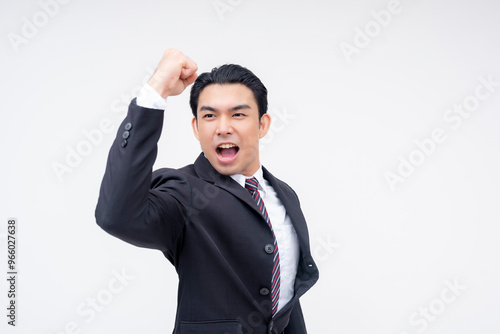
(259, 175)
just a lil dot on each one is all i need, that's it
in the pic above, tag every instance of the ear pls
(194, 124)
(265, 123)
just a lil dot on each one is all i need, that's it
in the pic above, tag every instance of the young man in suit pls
(235, 233)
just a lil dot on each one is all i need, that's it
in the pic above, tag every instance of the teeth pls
(226, 146)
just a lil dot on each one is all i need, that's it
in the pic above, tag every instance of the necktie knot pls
(252, 184)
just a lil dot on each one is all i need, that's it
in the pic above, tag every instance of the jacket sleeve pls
(133, 205)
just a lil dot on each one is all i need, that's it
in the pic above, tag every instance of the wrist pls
(158, 87)
(148, 97)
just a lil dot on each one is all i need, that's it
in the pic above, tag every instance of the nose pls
(224, 126)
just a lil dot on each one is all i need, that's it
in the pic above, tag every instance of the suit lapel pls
(208, 173)
(292, 208)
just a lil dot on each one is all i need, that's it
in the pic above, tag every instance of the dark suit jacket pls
(207, 226)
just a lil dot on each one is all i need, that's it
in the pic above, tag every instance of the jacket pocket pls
(211, 327)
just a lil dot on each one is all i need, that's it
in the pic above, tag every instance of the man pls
(234, 232)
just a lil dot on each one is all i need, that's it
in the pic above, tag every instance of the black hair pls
(230, 74)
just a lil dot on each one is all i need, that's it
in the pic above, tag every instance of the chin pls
(221, 168)
(226, 170)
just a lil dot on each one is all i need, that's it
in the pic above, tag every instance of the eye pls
(238, 114)
(208, 116)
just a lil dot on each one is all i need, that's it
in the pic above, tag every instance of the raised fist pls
(174, 73)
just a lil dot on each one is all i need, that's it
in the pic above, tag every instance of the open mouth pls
(227, 151)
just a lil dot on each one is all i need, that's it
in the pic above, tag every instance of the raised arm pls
(130, 206)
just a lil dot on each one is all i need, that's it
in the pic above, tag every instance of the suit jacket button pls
(126, 134)
(264, 291)
(269, 248)
(128, 126)
(124, 142)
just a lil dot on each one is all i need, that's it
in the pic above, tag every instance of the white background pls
(343, 121)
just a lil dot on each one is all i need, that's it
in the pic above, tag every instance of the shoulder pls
(166, 174)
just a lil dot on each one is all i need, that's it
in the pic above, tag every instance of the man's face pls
(229, 129)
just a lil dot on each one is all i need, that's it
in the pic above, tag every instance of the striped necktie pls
(252, 185)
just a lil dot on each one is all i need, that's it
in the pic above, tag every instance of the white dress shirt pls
(286, 237)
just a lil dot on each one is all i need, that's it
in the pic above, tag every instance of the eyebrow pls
(235, 108)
